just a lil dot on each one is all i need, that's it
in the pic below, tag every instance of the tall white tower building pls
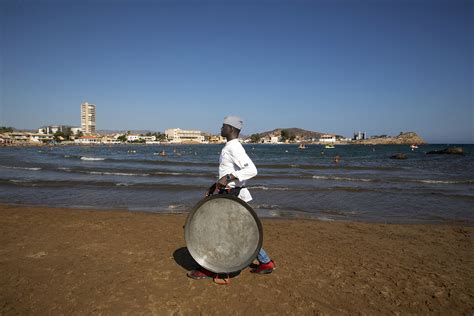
(88, 118)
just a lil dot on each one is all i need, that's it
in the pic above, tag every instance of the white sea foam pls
(440, 181)
(92, 158)
(261, 187)
(325, 219)
(118, 173)
(342, 178)
(176, 207)
(20, 168)
(20, 181)
(168, 173)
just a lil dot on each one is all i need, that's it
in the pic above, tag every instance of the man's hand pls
(224, 181)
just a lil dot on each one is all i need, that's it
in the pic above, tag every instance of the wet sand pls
(66, 261)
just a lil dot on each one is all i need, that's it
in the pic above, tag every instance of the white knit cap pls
(234, 121)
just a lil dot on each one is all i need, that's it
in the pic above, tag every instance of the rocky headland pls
(407, 138)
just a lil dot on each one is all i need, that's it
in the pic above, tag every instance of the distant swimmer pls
(163, 153)
(337, 158)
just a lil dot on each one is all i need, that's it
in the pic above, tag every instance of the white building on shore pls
(26, 137)
(327, 138)
(40, 138)
(88, 140)
(110, 139)
(51, 129)
(177, 135)
(146, 139)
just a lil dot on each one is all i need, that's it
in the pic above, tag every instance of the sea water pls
(365, 185)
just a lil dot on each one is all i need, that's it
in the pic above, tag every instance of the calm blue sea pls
(364, 186)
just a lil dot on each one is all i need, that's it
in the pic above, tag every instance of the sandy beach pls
(67, 261)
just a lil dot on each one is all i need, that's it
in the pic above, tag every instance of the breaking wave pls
(21, 168)
(92, 158)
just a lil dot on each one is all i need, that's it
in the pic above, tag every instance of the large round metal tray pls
(223, 233)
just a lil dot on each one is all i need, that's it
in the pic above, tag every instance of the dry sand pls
(65, 261)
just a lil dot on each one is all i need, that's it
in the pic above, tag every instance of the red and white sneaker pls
(264, 268)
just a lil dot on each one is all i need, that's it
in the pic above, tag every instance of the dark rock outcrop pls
(398, 156)
(447, 151)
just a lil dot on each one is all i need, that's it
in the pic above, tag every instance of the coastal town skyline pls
(86, 133)
(378, 67)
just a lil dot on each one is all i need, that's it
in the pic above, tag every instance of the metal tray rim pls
(251, 211)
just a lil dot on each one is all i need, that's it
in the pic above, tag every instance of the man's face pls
(226, 130)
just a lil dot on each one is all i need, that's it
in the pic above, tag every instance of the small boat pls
(413, 147)
(302, 146)
(329, 146)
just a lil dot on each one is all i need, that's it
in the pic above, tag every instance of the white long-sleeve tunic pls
(234, 160)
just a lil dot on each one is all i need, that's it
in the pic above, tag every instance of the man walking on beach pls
(235, 168)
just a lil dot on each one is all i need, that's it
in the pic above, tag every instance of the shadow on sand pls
(186, 261)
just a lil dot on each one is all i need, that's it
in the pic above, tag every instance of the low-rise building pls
(136, 138)
(327, 138)
(177, 135)
(133, 137)
(19, 137)
(214, 139)
(75, 130)
(40, 138)
(87, 140)
(270, 139)
(5, 139)
(274, 139)
(149, 138)
(24, 137)
(110, 139)
(51, 129)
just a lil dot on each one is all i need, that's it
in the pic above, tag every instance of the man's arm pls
(247, 169)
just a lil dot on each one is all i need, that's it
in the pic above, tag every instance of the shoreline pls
(294, 217)
(61, 260)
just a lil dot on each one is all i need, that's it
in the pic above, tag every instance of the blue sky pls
(330, 66)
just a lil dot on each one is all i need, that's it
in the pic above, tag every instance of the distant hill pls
(297, 132)
(407, 138)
